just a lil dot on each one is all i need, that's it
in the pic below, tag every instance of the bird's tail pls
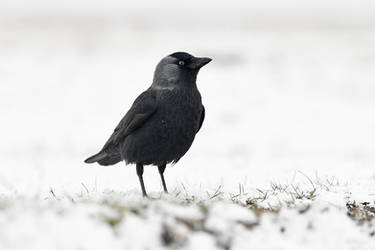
(97, 157)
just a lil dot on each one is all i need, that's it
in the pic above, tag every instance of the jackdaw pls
(161, 125)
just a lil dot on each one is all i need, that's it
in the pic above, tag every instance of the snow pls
(287, 142)
(118, 220)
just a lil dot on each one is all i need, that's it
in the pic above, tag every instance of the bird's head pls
(178, 69)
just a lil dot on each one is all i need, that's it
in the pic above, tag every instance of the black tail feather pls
(97, 157)
(110, 160)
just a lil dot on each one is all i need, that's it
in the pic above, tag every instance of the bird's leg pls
(140, 173)
(161, 169)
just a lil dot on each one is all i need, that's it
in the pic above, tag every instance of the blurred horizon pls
(195, 14)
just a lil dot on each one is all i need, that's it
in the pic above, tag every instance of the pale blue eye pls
(181, 63)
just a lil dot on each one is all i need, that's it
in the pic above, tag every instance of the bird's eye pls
(181, 63)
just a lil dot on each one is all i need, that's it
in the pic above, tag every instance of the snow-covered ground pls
(284, 159)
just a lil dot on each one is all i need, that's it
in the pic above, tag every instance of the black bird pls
(161, 125)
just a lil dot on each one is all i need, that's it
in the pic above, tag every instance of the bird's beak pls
(199, 62)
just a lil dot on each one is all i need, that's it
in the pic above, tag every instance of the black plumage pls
(162, 123)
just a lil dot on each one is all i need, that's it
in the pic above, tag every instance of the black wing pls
(202, 118)
(142, 109)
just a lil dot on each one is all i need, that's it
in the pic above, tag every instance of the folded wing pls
(142, 109)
